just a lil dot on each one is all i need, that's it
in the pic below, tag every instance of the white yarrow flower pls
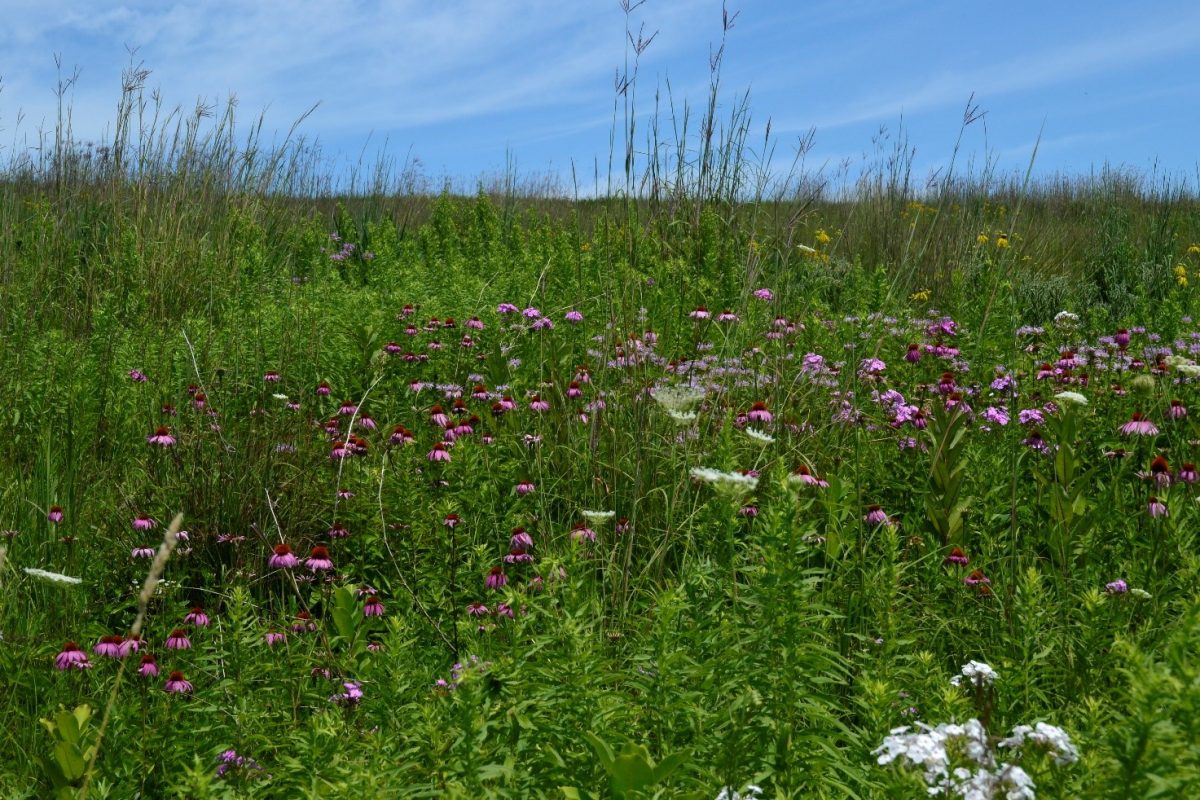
(53, 577)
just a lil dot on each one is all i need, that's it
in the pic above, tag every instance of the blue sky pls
(465, 84)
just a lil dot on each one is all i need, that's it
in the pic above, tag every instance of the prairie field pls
(703, 484)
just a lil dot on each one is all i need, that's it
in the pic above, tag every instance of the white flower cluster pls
(1066, 321)
(977, 673)
(1074, 398)
(752, 793)
(677, 398)
(598, 516)
(1053, 739)
(760, 436)
(980, 776)
(734, 482)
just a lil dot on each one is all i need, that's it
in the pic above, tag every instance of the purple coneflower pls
(727, 316)
(913, 354)
(137, 376)
(143, 522)
(347, 408)
(525, 487)
(1177, 410)
(764, 294)
(148, 667)
(1121, 338)
(957, 556)
(176, 684)
(700, 313)
(338, 531)
(71, 657)
(1138, 425)
(495, 578)
(282, 557)
(538, 404)
(273, 638)
(475, 323)
(1157, 508)
(1188, 473)
(977, 578)
(401, 435)
(477, 609)
(323, 389)
(55, 514)
(759, 413)
(372, 606)
(440, 452)
(271, 376)
(875, 516)
(520, 539)
(1160, 472)
(161, 437)
(196, 617)
(318, 560)
(581, 532)
(108, 646)
(178, 640)
(142, 552)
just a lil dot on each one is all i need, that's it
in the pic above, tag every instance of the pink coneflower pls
(525, 487)
(957, 556)
(438, 417)
(1121, 339)
(323, 389)
(700, 313)
(518, 555)
(538, 404)
(477, 609)
(393, 348)
(749, 512)
(475, 323)
(339, 451)
(875, 516)
(177, 684)
(581, 532)
(55, 514)
(148, 667)
(759, 413)
(338, 531)
(178, 640)
(273, 638)
(495, 578)
(1157, 508)
(71, 657)
(913, 355)
(372, 607)
(271, 376)
(1188, 473)
(440, 452)
(764, 294)
(142, 552)
(137, 376)
(318, 560)
(727, 316)
(199, 401)
(304, 623)
(451, 520)
(282, 557)
(347, 409)
(196, 617)
(366, 422)
(401, 435)
(108, 646)
(977, 578)
(143, 522)
(408, 310)
(1160, 472)
(1177, 410)
(804, 475)
(131, 643)
(520, 539)
(161, 437)
(1138, 425)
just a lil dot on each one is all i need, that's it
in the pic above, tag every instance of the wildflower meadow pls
(707, 486)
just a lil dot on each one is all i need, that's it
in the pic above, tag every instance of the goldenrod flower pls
(823, 237)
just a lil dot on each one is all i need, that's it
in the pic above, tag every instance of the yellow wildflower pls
(586, 247)
(920, 296)
(981, 239)
(1194, 250)
(1180, 271)
(823, 237)
(1002, 240)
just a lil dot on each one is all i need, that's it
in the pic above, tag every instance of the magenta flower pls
(323, 389)
(875, 516)
(318, 560)
(759, 413)
(531, 313)
(1138, 425)
(700, 313)
(71, 657)
(440, 452)
(282, 557)
(977, 578)
(176, 684)
(137, 376)
(913, 354)
(475, 323)
(727, 316)
(573, 317)
(520, 540)
(108, 646)
(525, 487)
(196, 617)
(764, 294)
(271, 376)
(148, 667)
(1177, 410)
(55, 514)
(338, 531)
(178, 640)
(142, 552)
(1157, 508)
(273, 638)
(496, 578)
(957, 556)
(143, 522)
(1188, 473)
(372, 606)
(538, 404)
(581, 532)
(1116, 587)
(161, 437)
(506, 308)
(477, 610)
(352, 695)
